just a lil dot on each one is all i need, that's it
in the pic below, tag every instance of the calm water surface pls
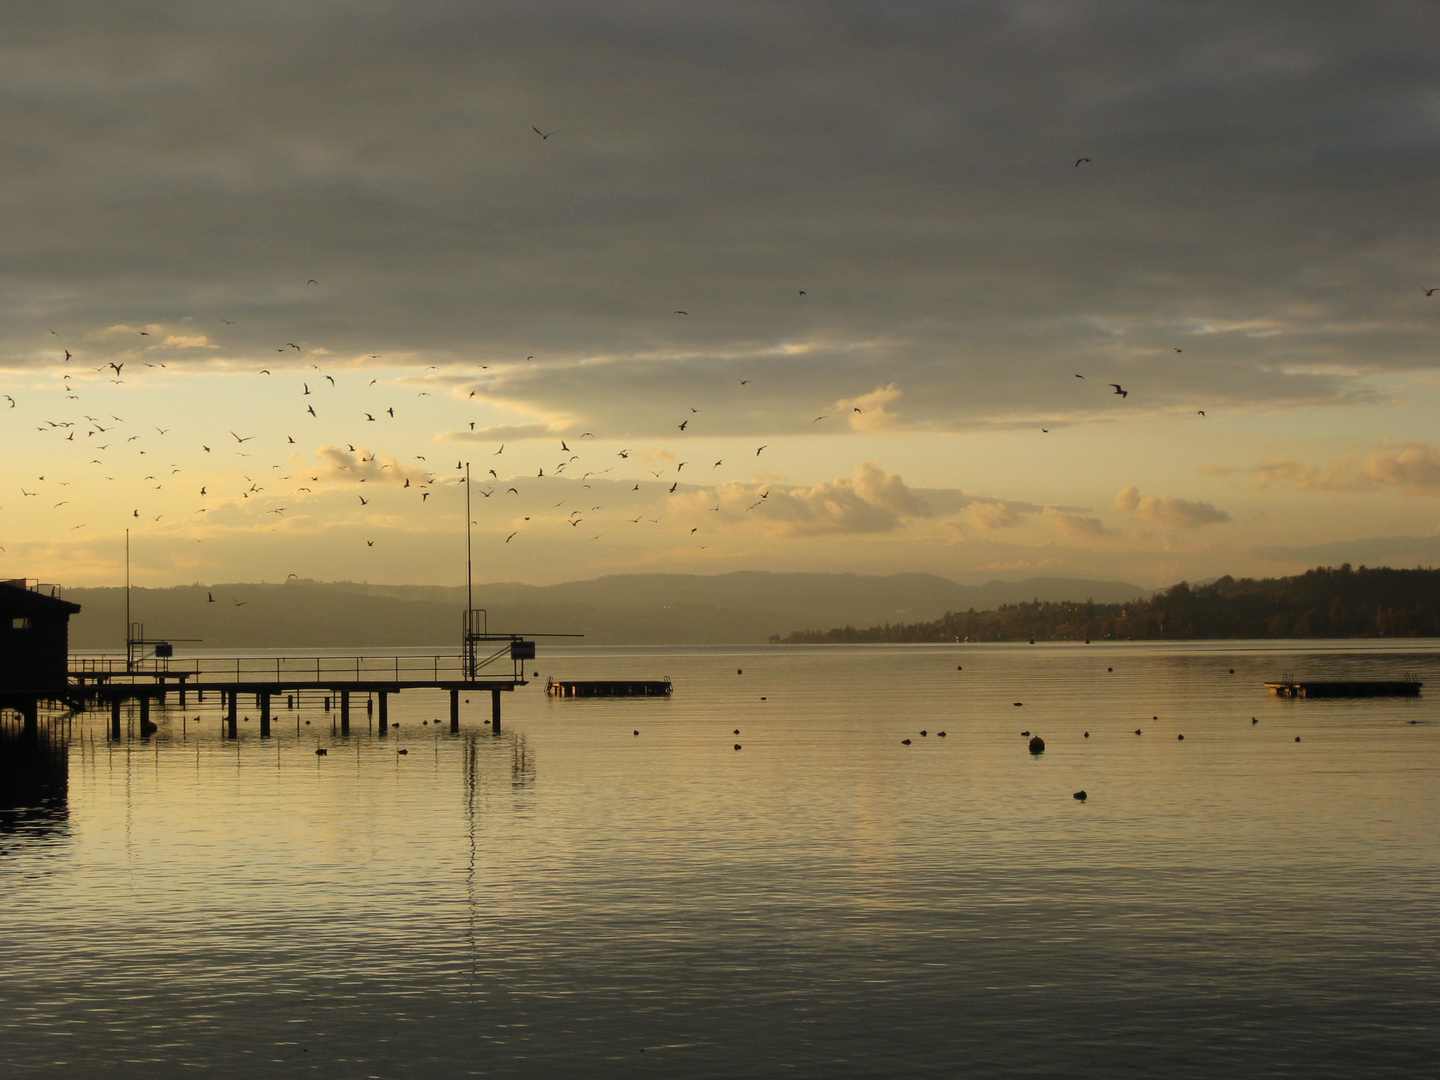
(567, 898)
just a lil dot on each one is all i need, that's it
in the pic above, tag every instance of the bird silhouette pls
(542, 134)
(1428, 292)
(1083, 161)
(1119, 389)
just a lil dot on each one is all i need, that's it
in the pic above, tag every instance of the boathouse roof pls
(21, 596)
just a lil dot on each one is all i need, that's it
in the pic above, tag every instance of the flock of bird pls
(105, 440)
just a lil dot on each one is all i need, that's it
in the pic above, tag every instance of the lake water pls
(568, 898)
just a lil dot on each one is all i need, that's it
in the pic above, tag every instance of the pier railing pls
(444, 667)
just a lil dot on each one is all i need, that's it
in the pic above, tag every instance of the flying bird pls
(1119, 389)
(1083, 161)
(238, 439)
(312, 281)
(542, 134)
(684, 425)
(1200, 411)
(757, 452)
(512, 536)
(1428, 292)
(680, 313)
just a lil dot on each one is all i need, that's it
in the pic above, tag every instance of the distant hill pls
(630, 609)
(1321, 603)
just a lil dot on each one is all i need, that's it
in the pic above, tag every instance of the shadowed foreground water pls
(571, 899)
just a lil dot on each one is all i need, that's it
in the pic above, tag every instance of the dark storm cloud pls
(1261, 197)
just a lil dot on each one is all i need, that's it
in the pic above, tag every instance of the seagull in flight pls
(542, 134)
(1083, 161)
(238, 439)
(1119, 389)
(1428, 292)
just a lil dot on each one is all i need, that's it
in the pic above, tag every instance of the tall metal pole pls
(127, 599)
(469, 587)
(469, 576)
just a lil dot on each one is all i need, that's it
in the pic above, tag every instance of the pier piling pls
(264, 714)
(115, 718)
(384, 719)
(454, 711)
(344, 712)
(230, 720)
(495, 711)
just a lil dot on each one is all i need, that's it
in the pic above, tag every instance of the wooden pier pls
(608, 687)
(271, 681)
(1337, 688)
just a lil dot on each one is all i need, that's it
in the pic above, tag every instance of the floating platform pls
(608, 687)
(1308, 688)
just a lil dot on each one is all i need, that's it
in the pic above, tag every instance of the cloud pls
(1076, 526)
(1168, 512)
(867, 411)
(440, 231)
(871, 501)
(501, 433)
(1413, 468)
(993, 515)
(349, 466)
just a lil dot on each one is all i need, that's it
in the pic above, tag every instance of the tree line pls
(1326, 602)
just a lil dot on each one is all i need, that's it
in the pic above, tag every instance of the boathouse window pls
(20, 622)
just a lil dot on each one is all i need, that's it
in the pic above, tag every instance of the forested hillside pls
(1321, 603)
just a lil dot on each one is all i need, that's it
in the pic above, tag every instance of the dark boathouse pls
(34, 645)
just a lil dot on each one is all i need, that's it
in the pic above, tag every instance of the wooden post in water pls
(384, 711)
(231, 729)
(495, 711)
(344, 712)
(182, 693)
(144, 714)
(115, 718)
(264, 702)
(454, 711)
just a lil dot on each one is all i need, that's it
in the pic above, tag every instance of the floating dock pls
(608, 687)
(1308, 688)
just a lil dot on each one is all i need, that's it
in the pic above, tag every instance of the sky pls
(1111, 290)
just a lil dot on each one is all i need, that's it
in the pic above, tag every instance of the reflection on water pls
(610, 888)
(34, 778)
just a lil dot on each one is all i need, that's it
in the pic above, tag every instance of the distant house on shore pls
(34, 639)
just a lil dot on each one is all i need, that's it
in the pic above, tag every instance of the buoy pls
(904, 742)
(1180, 737)
(1109, 669)
(737, 746)
(1081, 795)
(959, 668)
(1232, 671)
(637, 733)
(739, 671)
(1297, 738)
(1037, 745)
